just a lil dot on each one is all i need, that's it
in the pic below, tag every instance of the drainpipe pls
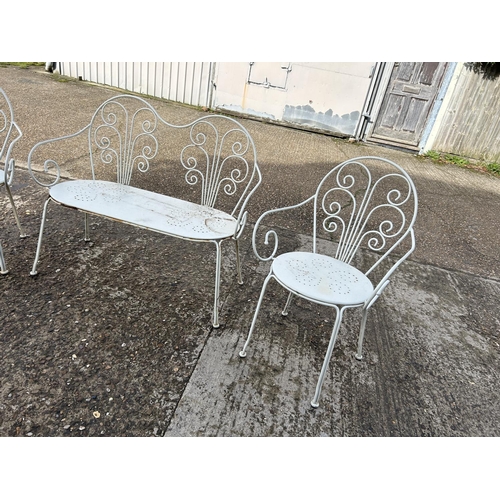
(366, 115)
(211, 86)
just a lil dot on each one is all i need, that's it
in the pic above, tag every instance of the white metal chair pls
(10, 133)
(365, 202)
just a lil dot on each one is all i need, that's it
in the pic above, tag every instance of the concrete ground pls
(121, 328)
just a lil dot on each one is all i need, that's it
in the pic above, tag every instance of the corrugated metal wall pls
(185, 82)
(471, 124)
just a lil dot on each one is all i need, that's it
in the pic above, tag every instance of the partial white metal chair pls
(365, 202)
(10, 133)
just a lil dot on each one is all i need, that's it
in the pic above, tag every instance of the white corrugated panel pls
(185, 82)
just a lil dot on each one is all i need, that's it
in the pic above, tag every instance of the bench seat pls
(145, 209)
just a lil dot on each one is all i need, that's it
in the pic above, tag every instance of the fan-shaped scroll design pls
(360, 212)
(216, 160)
(125, 138)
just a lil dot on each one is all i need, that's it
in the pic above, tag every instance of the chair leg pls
(3, 267)
(287, 305)
(238, 261)
(39, 246)
(361, 334)
(22, 234)
(266, 281)
(87, 237)
(333, 338)
(218, 258)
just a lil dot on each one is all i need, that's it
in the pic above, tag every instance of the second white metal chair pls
(364, 202)
(10, 133)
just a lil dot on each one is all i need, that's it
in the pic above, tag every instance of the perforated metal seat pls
(321, 278)
(366, 202)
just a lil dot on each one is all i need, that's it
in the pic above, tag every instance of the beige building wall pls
(324, 95)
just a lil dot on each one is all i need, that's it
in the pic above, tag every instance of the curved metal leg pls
(3, 267)
(22, 234)
(361, 334)
(238, 262)
(218, 255)
(333, 338)
(262, 292)
(44, 214)
(87, 237)
(287, 305)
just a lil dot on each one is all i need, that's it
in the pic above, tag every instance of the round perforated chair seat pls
(322, 278)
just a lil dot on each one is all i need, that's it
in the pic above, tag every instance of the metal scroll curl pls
(215, 160)
(350, 212)
(126, 139)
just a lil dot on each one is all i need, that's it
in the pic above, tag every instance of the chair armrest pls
(272, 233)
(385, 280)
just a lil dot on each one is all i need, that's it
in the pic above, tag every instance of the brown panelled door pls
(408, 100)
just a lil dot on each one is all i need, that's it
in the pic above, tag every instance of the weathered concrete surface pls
(430, 365)
(121, 327)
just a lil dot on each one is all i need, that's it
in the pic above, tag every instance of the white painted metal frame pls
(365, 202)
(126, 133)
(10, 133)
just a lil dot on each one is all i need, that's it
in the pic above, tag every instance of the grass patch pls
(446, 158)
(493, 168)
(21, 64)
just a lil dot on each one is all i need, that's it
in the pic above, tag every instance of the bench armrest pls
(50, 166)
(9, 162)
(242, 216)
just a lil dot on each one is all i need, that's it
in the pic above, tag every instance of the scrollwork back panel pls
(362, 205)
(214, 156)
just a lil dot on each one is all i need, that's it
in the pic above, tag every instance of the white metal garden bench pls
(215, 155)
(365, 202)
(10, 133)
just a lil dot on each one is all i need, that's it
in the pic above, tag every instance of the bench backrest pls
(211, 161)
(214, 155)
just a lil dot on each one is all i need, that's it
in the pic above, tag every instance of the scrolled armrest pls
(50, 166)
(9, 162)
(271, 234)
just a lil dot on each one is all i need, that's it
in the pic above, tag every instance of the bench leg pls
(22, 234)
(87, 237)
(218, 258)
(238, 262)
(39, 246)
(3, 267)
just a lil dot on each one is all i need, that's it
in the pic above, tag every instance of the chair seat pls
(322, 278)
